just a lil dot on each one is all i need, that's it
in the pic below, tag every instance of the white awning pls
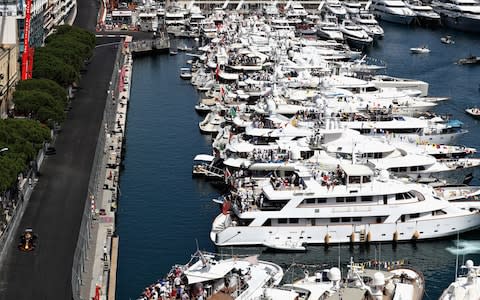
(204, 157)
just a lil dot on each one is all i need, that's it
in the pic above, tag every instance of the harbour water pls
(163, 212)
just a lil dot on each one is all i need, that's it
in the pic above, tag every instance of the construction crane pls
(27, 56)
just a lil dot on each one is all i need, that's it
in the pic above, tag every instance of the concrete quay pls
(100, 270)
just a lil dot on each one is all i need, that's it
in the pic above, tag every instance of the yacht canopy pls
(204, 157)
(356, 170)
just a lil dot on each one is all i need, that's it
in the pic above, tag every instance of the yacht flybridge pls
(350, 205)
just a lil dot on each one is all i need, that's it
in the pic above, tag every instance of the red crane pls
(27, 56)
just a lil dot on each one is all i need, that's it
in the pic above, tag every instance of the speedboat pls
(209, 275)
(465, 287)
(393, 11)
(185, 73)
(420, 50)
(447, 39)
(474, 112)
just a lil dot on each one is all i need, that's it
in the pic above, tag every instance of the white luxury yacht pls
(393, 11)
(423, 13)
(459, 14)
(350, 205)
(335, 7)
(367, 22)
(329, 29)
(355, 35)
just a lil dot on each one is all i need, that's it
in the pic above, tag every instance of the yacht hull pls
(342, 233)
(394, 18)
(461, 23)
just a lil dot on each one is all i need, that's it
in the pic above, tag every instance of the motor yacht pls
(369, 280)
(353, 7)
(211, 276)
(355, 35)
(459, 14)
(424, 14)
(335, 7)
(420, 50)
(329, 29)
(350, 205)
(466, 286)
(394, 11)
(367, 22)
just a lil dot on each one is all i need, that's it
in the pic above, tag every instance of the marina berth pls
(209, 276)
(348, 205)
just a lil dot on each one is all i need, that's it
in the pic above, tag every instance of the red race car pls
(27, 241)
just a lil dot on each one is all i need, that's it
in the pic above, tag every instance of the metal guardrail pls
(95, 185)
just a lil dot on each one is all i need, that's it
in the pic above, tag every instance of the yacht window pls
(351, 199)
(379, 220)
(345, 219)
(293, 220)
(394, 169)
(402, 218)
(357, 219)
(438, 212)
(282, 221)
(366, 179)
(334, 220)
(414, 216)
(340, 199)
(321, 200)
(367, 198)
(354, 179)
(414, 168)
(399, 196)
(385, 199)
(310, 201)
(421, 168)
(403, 169)
(268, 222)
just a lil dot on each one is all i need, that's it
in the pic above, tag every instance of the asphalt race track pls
(57, 203)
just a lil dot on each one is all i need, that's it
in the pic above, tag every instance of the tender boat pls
(474, 112)
(420, 50)
(286, 245)
(173, 52)
(471, 60)
(185, 73)
(447, 39)
(465, 287)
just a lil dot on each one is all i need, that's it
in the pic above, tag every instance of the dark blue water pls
(163, 211)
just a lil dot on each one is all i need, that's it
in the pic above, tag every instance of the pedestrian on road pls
(105, 253)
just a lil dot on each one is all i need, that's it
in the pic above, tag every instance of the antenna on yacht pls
(456, 260)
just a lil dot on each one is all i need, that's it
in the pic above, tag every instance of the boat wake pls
(463, 247)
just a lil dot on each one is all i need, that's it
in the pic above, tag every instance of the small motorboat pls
(474, 112)
(173, 52)
(447, 39)
(471, 60)
(420, 50)
(287, 245)
(185, 73)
